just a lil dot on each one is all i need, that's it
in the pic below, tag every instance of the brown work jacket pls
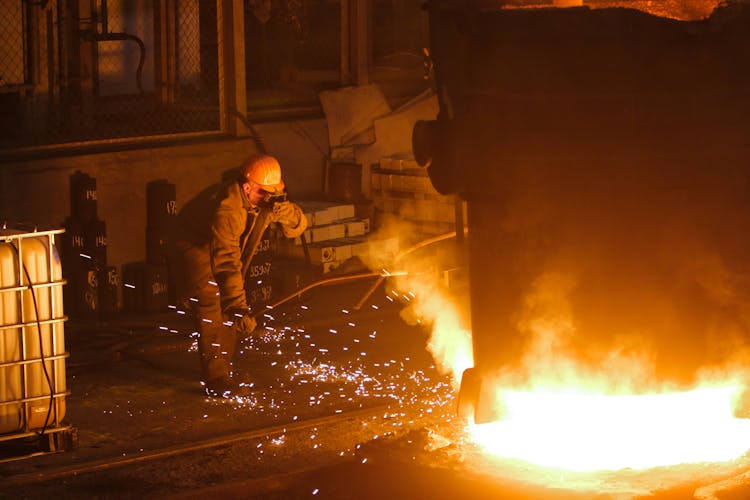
(231, 236)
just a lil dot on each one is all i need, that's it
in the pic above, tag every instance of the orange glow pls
(582, 431)
(558, 411)
(683, 10)
(449, 341)
(591, 411)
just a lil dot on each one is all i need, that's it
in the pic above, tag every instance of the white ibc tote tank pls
(32, 344)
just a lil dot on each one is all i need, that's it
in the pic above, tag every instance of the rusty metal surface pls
(601, 153)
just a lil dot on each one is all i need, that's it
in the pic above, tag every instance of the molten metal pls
(587, 432)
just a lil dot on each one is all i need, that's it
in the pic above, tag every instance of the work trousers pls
(217, 342)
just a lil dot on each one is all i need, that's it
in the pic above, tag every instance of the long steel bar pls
(34, 286)
(413, 248)
(34, 323)
(20, 435)
(34, 360)
(107, 464)
(33, 234)
(35, 398)
(329, 281)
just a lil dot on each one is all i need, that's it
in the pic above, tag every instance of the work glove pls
(240, 320)
(286, 214)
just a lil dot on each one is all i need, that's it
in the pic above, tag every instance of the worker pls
(217, 235)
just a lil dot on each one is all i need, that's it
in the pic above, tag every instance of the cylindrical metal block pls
(161, 204)
(83, 197)
(145, 287)
(108, 284)
(156, 245)
(95, 241)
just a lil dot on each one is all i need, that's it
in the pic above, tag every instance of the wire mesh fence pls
(97, 71)
(294, 50)
(108, 70)
(11, 43)
(400, 32)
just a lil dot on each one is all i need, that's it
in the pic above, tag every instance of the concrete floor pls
(135, 393)
(347, 405)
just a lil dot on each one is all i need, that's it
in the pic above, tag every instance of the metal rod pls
(107, 464)
(421, 244)
(34, 323)
(33, 234)
(34, 360)
(369, 292)
(44, 397)
(50, 430)
(329, 281)
(34, 286)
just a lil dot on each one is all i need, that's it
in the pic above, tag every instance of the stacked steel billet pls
(263, 271)
(84, 250)
(144, 287)
(161, 210)
(337, 233)
(402, 189)
(146, 283)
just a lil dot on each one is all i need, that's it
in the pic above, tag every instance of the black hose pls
(254, 135)
(107, 37)
(41, 343)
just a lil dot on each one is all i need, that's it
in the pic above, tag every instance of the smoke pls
(449, 339)
(637, 275)
(426, 290)
(551, 359)
(628, 278)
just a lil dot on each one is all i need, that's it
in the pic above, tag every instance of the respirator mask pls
(271, 199)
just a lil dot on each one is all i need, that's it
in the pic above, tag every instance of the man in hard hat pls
(219, 233)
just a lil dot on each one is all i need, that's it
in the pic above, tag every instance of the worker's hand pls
(241, 321)
(286, 214)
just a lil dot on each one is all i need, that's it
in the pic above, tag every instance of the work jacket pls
(231, 237)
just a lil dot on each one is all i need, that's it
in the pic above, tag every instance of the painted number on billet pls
(263, 246)
(262, 294)
(259, 270)
(111, 277)
(172, 207)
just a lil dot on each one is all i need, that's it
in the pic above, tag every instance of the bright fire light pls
(561, 412)
(587, 432)
(574, 421)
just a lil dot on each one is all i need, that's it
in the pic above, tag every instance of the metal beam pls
(232, 83)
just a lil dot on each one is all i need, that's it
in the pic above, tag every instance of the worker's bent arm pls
(292, 230)
(226, 262)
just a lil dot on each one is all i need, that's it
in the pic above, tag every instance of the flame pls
(559, 410)
(573, 406)
(429, 300)
(587, 432)
(684, 10)
(449, 341)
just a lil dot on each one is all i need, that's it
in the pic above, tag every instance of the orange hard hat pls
(265, 171)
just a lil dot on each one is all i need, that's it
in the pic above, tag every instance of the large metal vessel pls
(605, 158)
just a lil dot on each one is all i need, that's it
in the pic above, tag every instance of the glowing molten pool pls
(586, 432)
(584, 411)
